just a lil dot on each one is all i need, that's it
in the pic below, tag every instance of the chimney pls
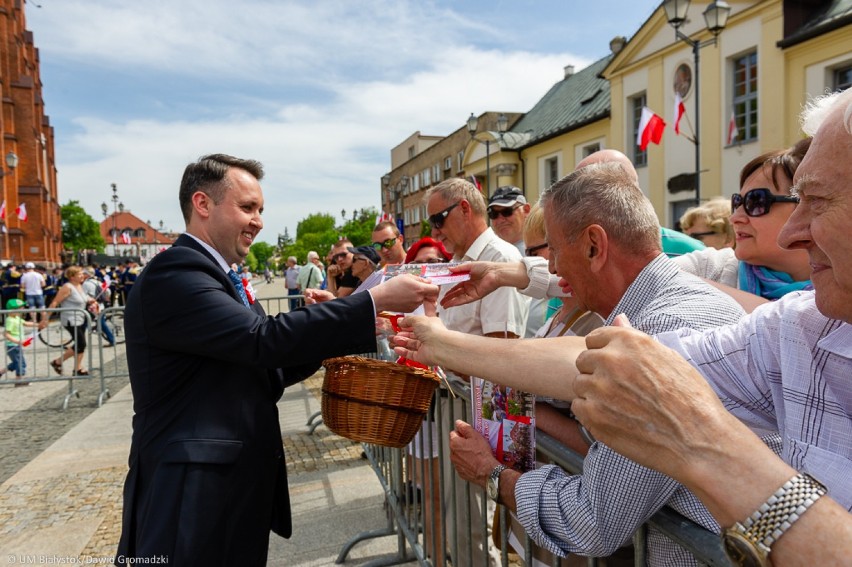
(569, 70)
(617, 44)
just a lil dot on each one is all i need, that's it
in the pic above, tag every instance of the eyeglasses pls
(437, 220)
(532, 251)
(757, 202)
(356, 258)
(506, 213)
(700, 235)
(339, 256)
(433, 261)
(387, 244)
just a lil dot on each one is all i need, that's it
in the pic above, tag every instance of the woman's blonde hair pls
(716, 214)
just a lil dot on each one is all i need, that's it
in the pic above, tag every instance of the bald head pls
(610, 156)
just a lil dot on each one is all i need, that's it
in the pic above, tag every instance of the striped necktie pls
(238, 283)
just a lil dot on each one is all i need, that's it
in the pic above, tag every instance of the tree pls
(79, 230)
(359, 230)
(262, 251)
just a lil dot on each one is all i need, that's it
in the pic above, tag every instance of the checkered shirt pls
(598, 511)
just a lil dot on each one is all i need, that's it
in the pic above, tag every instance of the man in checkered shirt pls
(605, 242)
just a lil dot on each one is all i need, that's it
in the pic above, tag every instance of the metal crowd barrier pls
(420, 492)
(44, 345)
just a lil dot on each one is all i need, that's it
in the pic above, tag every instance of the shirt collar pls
(649, 280)
(478, 245)
(213, 252)
(838, 341)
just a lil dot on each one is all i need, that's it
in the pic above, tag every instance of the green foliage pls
(318, 232)
(79, 230)
(425, 228)
(251, 262)
(263, 252)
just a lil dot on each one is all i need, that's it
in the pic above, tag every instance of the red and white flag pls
(125, 237)
(679, 109)
(21, 211)
(651, 128)
(733, 131)
(475, 181)
(3, 210)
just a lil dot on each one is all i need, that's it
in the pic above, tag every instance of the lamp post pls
(502, 125)
(114, 214)
(11, 163)
(716, 18)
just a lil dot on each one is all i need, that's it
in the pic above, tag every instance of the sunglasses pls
(532, 251)
(437, 220)
(387, 244)
(506, 213)
(339, 256)
(757, 202)
(700, 235)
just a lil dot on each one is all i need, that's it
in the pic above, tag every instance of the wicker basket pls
(375, 401)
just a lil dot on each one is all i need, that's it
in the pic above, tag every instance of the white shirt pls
(32, 282)
(785, 368)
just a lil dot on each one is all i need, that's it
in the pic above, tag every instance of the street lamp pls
(114, 214)
(502, 126)
(11, 163)
(716, 18)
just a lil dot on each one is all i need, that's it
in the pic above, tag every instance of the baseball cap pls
(507, 196)
(368, 251)
(15, 303)
(29, 265)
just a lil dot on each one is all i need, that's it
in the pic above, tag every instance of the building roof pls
(837, 14)
(127, 221)
(573, 102)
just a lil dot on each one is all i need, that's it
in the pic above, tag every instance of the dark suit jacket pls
(207, 476)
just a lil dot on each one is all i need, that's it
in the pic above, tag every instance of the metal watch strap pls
(495, 479)
(782, 509)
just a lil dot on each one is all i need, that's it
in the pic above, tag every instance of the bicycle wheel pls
(115, 321)
(54, 335)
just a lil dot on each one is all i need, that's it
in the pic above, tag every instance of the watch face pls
(742, 551)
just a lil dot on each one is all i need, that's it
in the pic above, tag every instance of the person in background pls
(710, 223)
(341, 282)
(508, 209)
(388, 242)
(291, 281)
(53, 281)
(73, 298)
(365, 260)
(427, 250)
(33, 282)
(14, 326)
(98, 291)
(758, 265)
(310, 275)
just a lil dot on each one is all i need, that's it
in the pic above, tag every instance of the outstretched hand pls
(419, 339)
(483, 280)
(405, 293)
(313, 296)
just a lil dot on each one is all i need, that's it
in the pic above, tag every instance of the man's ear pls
(201, 203)
(596, 246)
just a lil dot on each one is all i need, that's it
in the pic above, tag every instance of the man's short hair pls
(455, 189)
(387, 224)
(343, 242)
(312, 255)
(818, 109)
(292, 259)
(208, 175)
(605, 194)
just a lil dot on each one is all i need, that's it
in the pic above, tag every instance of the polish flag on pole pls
(679, 109)
(475, 181)
(3, 210)
(733, 131)
(650, 128)
(125, 237)
(21, 211)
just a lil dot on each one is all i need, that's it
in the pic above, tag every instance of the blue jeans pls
(17, 362)
(294, 303)
(105, 328)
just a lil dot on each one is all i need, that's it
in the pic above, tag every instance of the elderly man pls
(456, 212)
(784, 368)
(388, 242)
(605, 245)
(291, 281)
(508, 209)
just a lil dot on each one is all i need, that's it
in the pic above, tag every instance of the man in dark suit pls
(207, 479)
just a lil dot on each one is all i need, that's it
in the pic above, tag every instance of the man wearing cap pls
(33, 284)
(365, 260)
(388, 242)
(508, 209)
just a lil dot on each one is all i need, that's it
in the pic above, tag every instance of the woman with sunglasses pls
(758, 265)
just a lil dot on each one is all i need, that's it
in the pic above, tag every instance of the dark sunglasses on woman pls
(757, 202)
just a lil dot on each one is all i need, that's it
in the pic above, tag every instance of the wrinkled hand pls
(645, 401)
(419, 338)
(471, 454)
(405, 293)
(313, 296)
(483, 280)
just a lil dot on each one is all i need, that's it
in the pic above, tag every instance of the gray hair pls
(292, 259)
(818, 109)
(312, 255)
(455, 189)
(605, 194)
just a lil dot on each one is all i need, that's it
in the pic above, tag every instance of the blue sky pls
(319, 91)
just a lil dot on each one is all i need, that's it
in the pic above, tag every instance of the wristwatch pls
(492, 486)
(748, 543)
